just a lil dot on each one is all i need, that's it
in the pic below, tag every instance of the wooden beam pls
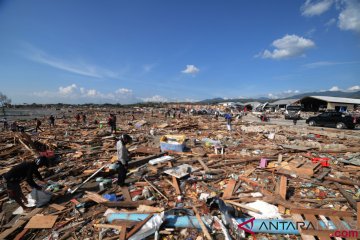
(126, 194)
(111, 226)
(157, 190)
(229, 189)
(243, 206)
(206, 168)
(349, 198)
(202, 225)
(175, 181)
(132, 204)
(358, 215)
(282, 192)
(123, 232)
(138, 226)
(325, 212)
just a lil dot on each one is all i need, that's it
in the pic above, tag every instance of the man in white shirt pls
(123, 158)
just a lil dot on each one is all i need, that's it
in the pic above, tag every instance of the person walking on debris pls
(20, 172)
(112, 122)
(38, 124)
(77, 117)
(6, 124)
(84, 118)
(294, 121)
(228, 121)
(52, 121)
(123, 157)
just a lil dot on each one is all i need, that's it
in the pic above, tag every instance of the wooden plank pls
(41, 221)
(206, 168)
(346, 195)
(126, 194)
(126, 204)
(282, 191)
(358, 215)
(229, 189)
(311, 218)
(342, 181)
(15, 227)
(337, 222)
(57, 207)
(123, 232)
(157, 190)
(175, 181)
(298, 218)
(243, 206)
(202, 225)
(111, 226)
(325, 212)
(21, 234)
(138, 226)
(95, 197)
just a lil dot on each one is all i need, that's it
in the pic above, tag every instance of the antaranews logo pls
(280, 225)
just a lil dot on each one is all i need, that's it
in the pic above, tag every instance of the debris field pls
(188, 178)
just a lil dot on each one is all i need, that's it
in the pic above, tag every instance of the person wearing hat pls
(123, 157)
(24, 171)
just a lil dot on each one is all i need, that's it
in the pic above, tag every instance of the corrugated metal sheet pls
(284, 102)
(337, 99)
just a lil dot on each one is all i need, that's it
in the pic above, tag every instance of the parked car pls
(292, 112)
(333, 119)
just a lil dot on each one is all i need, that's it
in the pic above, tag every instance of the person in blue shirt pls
(228, 119)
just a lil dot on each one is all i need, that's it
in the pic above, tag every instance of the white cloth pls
(122, 152)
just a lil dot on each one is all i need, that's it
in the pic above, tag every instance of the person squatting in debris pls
(112, 122)
(24, 171)
(52, 121)
(123, 157)
(38, 124)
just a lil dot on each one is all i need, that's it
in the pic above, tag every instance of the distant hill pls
(299, 96)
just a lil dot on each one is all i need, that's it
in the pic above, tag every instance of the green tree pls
(4, 102)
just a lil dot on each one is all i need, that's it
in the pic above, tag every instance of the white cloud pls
(123, 91)
(287, 47)
(191, 69)
(148, 67)
(349, 17)
(334, 88)
(354, 88)
(67, 90)
(91, 93)
(156, 98)
(75, 94)
(78, 67)
(312, 8)
(272, 96)
(283, 94)
(327, 64)
(331, 22)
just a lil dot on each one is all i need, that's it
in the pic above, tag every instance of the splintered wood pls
(302, 174)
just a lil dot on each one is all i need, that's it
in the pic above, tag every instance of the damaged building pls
(325, 103)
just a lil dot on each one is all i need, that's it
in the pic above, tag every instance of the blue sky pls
(77, 51)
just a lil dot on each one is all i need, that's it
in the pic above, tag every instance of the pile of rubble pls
(259, 180)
